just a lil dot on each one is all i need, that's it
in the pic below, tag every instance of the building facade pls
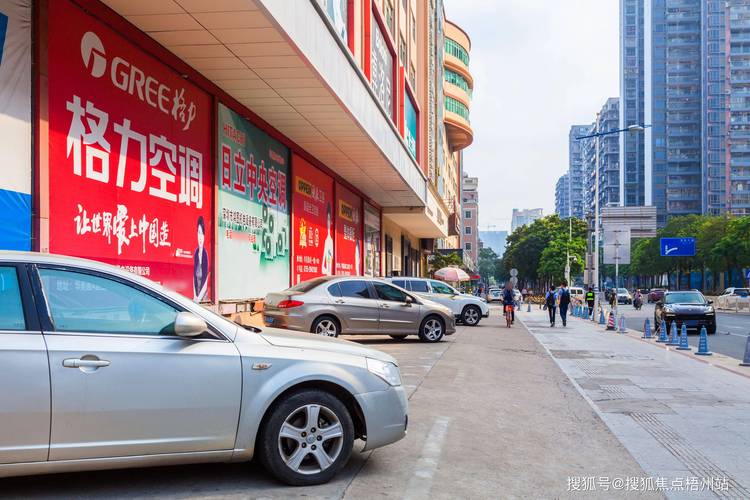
(470, 229)
(562, 196)
(232, 151)
(607, 120)
(523, 216)
(682, 72)
(576, 171)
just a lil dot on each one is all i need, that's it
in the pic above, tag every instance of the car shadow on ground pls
(219, 479)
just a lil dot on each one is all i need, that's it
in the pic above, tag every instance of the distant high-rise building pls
(576, 172)
(684, 71)
(521, 217)
(562, 196)
(609, 159)
(494, 240)
(470, 219)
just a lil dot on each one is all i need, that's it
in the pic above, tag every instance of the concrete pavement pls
(679, 416)
(491, 415)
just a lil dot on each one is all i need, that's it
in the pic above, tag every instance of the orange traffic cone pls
(611, 321)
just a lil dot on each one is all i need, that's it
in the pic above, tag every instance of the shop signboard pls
(253, 209)
(312, 222)
(410, 125)
(15, 123)
(348, 232)
(130, 170)
(381, 67)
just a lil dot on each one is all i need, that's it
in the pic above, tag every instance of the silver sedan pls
(331, 306)
(106, 370)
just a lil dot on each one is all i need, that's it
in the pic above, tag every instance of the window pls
(456, 106)
(11, 309)
(402, 50)
(413, 27)
(453, 48)
(438, 287)
(389, 15)
(467, 214)
(467, 229)
(401, 283)
(82, 302)
(467, 246)
(388, 292)
(334, 290)
(457, 80)
(418, 286)
(357, 289)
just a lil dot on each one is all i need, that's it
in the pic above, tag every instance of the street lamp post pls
(634, 128)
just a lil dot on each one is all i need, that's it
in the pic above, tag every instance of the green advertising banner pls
(253, 204)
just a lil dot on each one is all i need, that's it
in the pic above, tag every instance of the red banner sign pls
(348, 232)
(129, 157)
(312, 222)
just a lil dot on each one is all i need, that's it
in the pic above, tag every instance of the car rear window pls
(743, 292)
(308, 285)
(418, 286)
(334, 290)
(355, 288)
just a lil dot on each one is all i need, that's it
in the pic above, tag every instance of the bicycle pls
(508, 315)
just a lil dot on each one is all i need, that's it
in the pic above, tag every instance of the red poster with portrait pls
(348, 232)
(312, 222)
(130, 170)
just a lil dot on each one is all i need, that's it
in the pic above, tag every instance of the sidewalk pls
(684, 420)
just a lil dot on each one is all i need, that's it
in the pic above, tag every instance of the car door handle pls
(85, 363)
(385, 306)
(339, 301)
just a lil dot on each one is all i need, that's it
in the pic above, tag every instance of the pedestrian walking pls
(563, 301)
(590, 299)
(550, 304)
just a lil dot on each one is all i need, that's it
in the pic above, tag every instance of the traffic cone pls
(703, 344)
(622, 324)
(673, 340)
(663, 333)
(647, 329)
(684, 346)
(746, 359)
(611, 321)
(601, 316)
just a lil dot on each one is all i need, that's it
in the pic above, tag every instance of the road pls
(490, 415)
(731, 335)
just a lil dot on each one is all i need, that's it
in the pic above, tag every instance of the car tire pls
(471, 316)
(432, 329)
(711, 330)
(327, 326)
(400, 338)
(290, 457)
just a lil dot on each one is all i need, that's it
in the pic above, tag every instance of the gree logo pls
(3, 31)
(92, 52)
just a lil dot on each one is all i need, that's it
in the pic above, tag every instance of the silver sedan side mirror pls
(187, 324)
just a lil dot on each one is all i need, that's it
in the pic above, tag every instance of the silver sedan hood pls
(286, 338)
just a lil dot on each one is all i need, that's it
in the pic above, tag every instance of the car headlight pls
(385, 370)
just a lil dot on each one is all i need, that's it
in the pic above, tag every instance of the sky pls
(539, 66)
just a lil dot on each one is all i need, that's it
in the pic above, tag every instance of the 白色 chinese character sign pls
(130, 175)
(253, 202)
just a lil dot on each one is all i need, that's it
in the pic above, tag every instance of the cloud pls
(539, 67)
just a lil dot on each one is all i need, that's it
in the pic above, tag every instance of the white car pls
(732, 297)
(494, 294)
(468, 309)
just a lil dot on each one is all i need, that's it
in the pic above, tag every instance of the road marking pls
(420, 483)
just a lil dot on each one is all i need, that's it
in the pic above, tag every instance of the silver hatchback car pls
(105, 369)
(335, 305)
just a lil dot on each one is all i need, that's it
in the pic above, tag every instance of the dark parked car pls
(686, 307)
(656, 295)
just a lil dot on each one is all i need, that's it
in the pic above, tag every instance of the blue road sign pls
(677, 247)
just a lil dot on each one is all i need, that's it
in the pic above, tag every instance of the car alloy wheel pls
(306, 438)
(311, 439)
(471, 316)
(326, 327)
(432, 330)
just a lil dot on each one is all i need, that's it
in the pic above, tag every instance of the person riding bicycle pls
(509, 301)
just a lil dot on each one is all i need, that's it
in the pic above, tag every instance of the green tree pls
(439, 261)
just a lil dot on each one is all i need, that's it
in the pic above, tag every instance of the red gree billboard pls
(130, 172)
